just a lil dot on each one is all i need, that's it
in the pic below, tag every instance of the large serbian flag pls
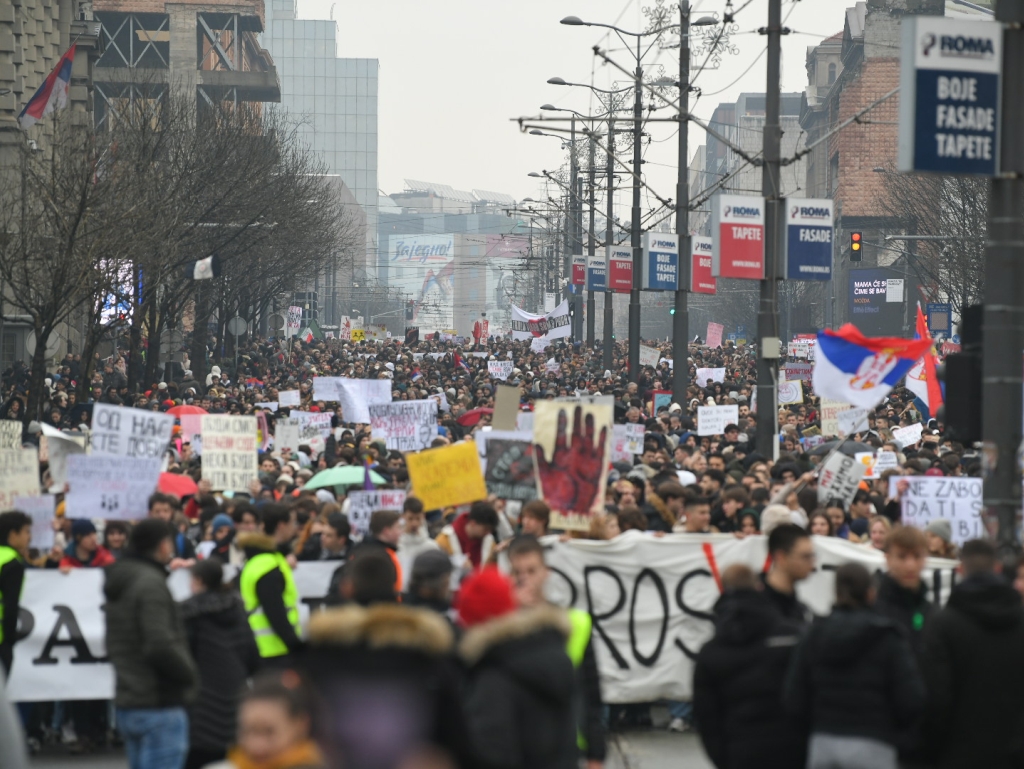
(860, 370)
(921, 379)
(51, 95)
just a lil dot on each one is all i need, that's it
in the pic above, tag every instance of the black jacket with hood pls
(737, 686)
(854, 675)
(909, 609)
(520, 691)
(972, 667)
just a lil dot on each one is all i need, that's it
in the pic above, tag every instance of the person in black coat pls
(738, 678)
(225, 651)
(853, 681)
(972, 668)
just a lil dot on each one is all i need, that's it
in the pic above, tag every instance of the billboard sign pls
(423, 266)
(620, 269)
(875, 308)
(597, 271)
(661, 262)
(579, 269)
(738, 232)
(702, 281)
(809, 236)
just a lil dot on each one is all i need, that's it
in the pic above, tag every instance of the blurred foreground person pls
(975, 712)
(274, 726)
(853, 681)
(15, 538)
(738, 679)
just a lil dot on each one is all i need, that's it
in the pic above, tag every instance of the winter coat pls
(853, 675)
(146, 638)
(737, 686)
(520, 690)
(225, 652)
(909, 609)
(101, 557)
(972, 668)
(387, 663)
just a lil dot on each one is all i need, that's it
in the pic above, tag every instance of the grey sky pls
(452, 73)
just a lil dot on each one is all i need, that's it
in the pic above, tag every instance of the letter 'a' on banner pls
(737, 228)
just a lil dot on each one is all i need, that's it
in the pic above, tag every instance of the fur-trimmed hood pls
(255, 542)
(518, 624)
(382, 626)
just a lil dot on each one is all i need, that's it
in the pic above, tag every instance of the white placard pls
(500, 369)
(312, 424)
(908, 436)
(894, 290)
(10, 434)
(839, 478)
(19, 475)
(956, 499)
(40, 509)
(269, 405)
(619, 453)
(363, 504)
(852, 421)
(634, 438)
(357, 395)
(539, 344)
(325, 388)
(790, 392)
(405, 425)
(649, 356)
(124, 432)
(286, 435)
(290, 398)
(59, 446)
(111, 487)
(711, 420)
(828, 411)
(704, 374)
(229, 452)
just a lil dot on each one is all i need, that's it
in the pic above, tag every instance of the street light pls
(560, 81)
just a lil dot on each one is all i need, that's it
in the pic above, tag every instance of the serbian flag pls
(860, 370)
(921, 378)
(417, 375)
(461, 363)
(51, 95)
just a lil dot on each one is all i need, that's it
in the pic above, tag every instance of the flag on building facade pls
(921, 379)
(51, 95)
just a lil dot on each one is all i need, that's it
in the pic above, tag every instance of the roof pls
(441, 190)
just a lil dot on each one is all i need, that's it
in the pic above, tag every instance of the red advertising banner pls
(579, 270)
(702, 281)
(620, 270)
(738, 229)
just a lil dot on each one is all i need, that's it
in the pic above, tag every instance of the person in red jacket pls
(84, 550)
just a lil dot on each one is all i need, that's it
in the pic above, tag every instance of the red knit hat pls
(485, 595)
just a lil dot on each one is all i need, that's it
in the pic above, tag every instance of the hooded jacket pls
(972, 668)
(145, 637)
(853, 675)
(520, 689)
(909, 609)
(100, 557)
(225, 652)
(737, 686)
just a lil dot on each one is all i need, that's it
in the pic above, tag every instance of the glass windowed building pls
(335, 102)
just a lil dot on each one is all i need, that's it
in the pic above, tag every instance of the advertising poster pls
(423, 268)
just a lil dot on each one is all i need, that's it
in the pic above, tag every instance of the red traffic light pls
(855, 241)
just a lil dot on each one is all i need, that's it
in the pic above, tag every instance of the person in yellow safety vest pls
(268, 588)
(15, 536)
(530, 572)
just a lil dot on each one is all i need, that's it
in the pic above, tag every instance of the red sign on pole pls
(620, 270)
(738, 229)
(702, 281)
(579, 270)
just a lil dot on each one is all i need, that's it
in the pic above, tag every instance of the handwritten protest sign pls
(357, 395)
(405, 425)
(539, 344)
(839, 478)
(711, 420)
(713, 338)
(957, 500)
(649, 356)
(705, 374)
(229, 451)
(876, 464)
(634, 434)
(908, 436)
(552, 366)
(290, 398)
(40, 509)
(852, 421)
(10, 434)
(828, 411)
(500, 369)
(111, 486)
(312, 424)
(791, 392)
(59, 446)
(446, 476)
(363, 504)
(510, 472)
(19, 475)
(619, 452)
(325, 388)
(286, 435)
(798, 371)
(124, 432)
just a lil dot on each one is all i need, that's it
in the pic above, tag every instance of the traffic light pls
(961, 410)
(410, 309)
(855, 247)
(672, 311)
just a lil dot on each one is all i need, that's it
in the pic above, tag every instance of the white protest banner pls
(10, 434)
(59, 446)
(500, 369)
(704, 374)
(851, 421)
(111, 487)
(286, 435)
(269, 405)
(711, 420)
(552, 325)
(839, 478)
(229, 452)
(479, 354)
(124, 432)
(40, 509)
(312, 424)
(956, 499)
(828, 411)
(790, 392)
(290, 398)
(19, 475)
(363, 504)
(634, 435)
(405, 425)
(908, 436)
(644, 642)
(325, 388)
(649, 356)
(357, 395)
(539, 344)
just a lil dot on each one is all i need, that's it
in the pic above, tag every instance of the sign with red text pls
(579, 269)
(738, 230)
(702, 279)
(620, 269)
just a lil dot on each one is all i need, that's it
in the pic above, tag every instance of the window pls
(831, 73)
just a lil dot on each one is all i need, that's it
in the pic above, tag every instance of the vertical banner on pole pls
(660, 262)
(809, 235)
(702, 280)
(738, 231)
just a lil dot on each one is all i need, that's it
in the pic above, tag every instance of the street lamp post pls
(591, 245)
(609, 326)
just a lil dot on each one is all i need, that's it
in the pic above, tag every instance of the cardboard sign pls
(41, 510)
(649, 356)
(908, 436)
(839, 478)
(852, 421)
(19, 475)
(446, 476)
(500, 369)
(363, 504)
(286, 435)
(289, 398)
(312, 424)
(619, 451)
(828, 411)
(539, 344)
(510, 473)
(876, 464)
(114, 487)
(405, 425)
(711, 420)
(661, 399)
(293, 322)
(10, 434)
(791, 392)
(738, 231)
(956, 499)
(702, 279)
(125, 432)
(714, 374)
(358, 335)
(798, 371)
(506, 407)
(634, 438)
(229, 452)
(713, 338)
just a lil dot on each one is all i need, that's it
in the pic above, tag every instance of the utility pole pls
(591, 245)
(609, 323)
(768, 342)
(634, 294)
(1003, 337)
(578, 249)
(681, 319)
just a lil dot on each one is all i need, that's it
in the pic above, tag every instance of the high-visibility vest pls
(268, 642)
(7, 554)
(576, 647)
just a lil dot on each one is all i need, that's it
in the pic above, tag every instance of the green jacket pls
(146, 639)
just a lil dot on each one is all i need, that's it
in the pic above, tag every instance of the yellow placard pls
(447, 476)
(358, 335)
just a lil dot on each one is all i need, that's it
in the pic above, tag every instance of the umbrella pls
(179, 410)
(342, 475)
(177, 484)
(850, 448)
(472, 416)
